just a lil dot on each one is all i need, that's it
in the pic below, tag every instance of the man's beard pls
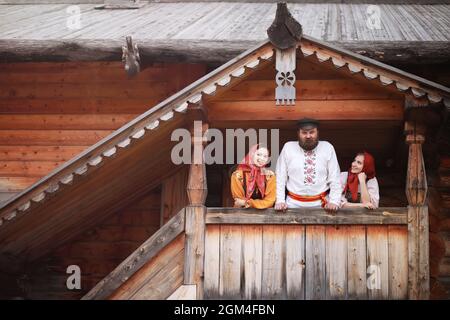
(308, 144)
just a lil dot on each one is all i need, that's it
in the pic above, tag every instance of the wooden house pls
(88, 181)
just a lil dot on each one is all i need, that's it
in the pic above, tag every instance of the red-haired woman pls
(360, 184)
(252, 185)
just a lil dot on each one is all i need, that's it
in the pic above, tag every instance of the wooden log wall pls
(439, 211)
(97, 252)
(306, 261)
(49, 112)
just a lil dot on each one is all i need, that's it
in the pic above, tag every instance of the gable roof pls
(86, 188)
(218, 31)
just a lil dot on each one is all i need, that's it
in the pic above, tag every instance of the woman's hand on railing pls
(331, 208)
(239, 203)
(281, 206)
(368, 205)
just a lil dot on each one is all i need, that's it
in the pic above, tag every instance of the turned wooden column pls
(195, 213)
(416, 192)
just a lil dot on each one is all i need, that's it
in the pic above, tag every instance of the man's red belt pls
(321, 197)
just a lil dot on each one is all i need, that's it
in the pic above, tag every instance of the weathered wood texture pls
(174, 196)
(147, 251)
(194, 247)
(50, 112)
(306, 216)
(218, 31)
(158, 278)
(305, 262)
(97, 252)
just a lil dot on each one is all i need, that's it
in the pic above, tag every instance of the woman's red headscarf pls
(352, 179)
(257, 178)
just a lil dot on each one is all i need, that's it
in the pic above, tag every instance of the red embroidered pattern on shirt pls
(309, 169)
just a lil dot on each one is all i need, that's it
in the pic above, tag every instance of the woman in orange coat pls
(252, 184)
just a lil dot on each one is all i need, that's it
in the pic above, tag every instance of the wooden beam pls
(138, 258)
(418, 224)
(319, 109)
(416, 181)
(306, 216)
(198, 50)
(194, 247)
(197, 188)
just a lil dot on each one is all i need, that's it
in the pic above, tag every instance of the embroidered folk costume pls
(311, 177)
(256, 185)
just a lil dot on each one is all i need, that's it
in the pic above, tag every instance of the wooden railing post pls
(195, 213)
(416, 192)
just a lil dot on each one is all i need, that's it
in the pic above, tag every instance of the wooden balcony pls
(306, 254)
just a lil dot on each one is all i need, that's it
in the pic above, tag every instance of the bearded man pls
(309, 170)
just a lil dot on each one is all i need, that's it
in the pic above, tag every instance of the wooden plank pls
(138, 258)
(94, 90)
(336, 262)
(162, 284)
(212, 262)
(194, 247)
(295, 262)
(150, 269)
(398, 262)
(52, 137)
(27, 168)
(329, 89)
(252, 254)
(94, 72)
(64, 121)
(273, 274)
(315, 263)
(230, 262)
(14, 184)
(377, 262)
(318, 109)
(174, 195)
(39, 153)
(424, 257)
(356, 260)
(86, 105)
(184, 292)
(306, 216)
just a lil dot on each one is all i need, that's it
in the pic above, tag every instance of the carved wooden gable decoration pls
(285, 33)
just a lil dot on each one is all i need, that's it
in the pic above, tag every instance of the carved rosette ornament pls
(285, 33)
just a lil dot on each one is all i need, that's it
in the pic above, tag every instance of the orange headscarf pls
(256, 178)
(352, 179)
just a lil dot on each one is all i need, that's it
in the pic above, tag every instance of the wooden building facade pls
(87, 180)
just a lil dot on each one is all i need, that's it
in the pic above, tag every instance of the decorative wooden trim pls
(418, 225)
(131, 58)
(306, 216)
(197, 189)
(285, 31)
(194, 250)
(416, 180)
(138, 258)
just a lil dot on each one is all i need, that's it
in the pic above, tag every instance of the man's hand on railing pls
(281, 206)
(331, 208)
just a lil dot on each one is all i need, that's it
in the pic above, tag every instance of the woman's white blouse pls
(372, 188)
